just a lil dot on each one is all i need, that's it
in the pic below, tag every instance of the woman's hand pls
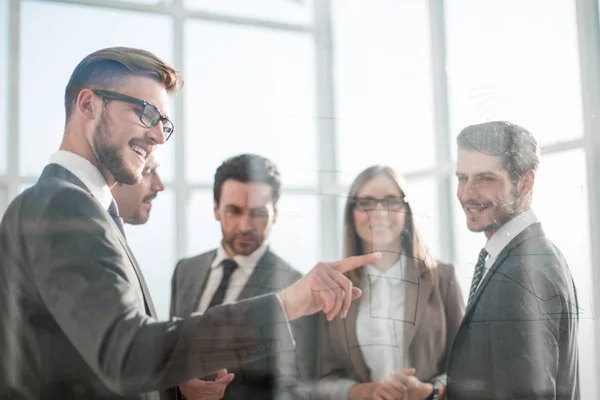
(385, 389)
(397, 385)
(416, 390)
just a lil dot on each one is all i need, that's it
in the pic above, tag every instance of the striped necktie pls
(478, 273)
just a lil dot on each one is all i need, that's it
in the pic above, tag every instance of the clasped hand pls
(401, 385)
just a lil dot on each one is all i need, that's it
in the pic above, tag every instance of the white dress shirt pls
(238, 280)
(380, 319)
(87, 173)
(502, 237)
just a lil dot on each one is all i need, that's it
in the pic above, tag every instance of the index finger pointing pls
(350, 263)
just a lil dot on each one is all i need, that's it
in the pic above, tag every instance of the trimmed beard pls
(109, 157)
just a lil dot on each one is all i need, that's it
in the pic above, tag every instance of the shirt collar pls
(246, 263)
(87, 173)
(394, 275)
(507, 232)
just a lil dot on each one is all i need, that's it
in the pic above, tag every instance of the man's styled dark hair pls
(108, 68)
(248, 168)
(516, 145)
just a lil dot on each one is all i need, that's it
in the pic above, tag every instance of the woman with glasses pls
(395, 340)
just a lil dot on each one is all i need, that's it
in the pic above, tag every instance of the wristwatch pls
(435, 395)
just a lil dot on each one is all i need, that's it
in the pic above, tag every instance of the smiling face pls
(485, 191)
(121, 142)
(379, 228)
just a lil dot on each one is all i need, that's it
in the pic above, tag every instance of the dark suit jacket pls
(432, 313)
(518, 339)
(260, 379)
(76, 323)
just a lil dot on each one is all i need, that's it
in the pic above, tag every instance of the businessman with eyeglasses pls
(77, 317)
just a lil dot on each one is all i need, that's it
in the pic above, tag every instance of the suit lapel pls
(534, 229)
(192, 298)
(417, 289)
(56, 170)
(354, 351)
(486, 279)
(150, 310)
(257, 282)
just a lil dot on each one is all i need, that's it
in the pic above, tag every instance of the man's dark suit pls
(271, 274)
(518, 339)
(75, 321)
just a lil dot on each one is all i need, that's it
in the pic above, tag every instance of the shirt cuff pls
(441, 379)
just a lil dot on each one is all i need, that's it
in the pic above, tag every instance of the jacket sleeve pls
(83, 277)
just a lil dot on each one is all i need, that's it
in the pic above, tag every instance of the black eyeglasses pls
(390, 203)
(149, 114)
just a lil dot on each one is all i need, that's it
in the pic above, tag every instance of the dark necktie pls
(112, 210)
(228, 267)
(478, 273)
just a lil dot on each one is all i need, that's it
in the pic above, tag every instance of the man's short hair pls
(108, 68)
(248, 168)
(516, 145)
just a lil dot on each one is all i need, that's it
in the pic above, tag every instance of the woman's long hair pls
(413, 245)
